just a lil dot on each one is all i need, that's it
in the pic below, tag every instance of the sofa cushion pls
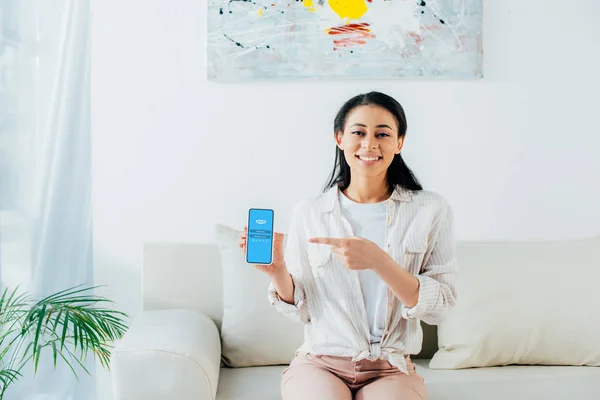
(253, 333)
(495, 383)
(524, 303)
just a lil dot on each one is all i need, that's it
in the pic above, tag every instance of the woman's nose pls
(369, 143)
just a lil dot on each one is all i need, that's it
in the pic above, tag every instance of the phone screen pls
(259, 243)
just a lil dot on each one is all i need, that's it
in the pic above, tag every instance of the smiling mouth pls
(369, 159)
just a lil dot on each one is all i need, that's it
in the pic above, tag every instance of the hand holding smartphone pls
(259, 242)
(264, 249)
(262, 246)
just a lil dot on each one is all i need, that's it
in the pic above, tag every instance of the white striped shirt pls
(369, 221)
(419, 235)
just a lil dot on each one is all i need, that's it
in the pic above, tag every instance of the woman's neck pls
(367, 190)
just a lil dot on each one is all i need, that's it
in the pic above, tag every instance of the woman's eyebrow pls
(378, 126)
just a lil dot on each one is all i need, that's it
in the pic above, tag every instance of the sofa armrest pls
(167, 354)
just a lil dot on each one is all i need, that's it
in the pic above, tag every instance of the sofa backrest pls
(189, 276)
(183, 275)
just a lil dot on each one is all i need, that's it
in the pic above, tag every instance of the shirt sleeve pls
(439, 275)
(295, 255)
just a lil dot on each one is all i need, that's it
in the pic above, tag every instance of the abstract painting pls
(351, 39)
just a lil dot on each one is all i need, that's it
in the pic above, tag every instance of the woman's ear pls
(400, 144)
(338, 139)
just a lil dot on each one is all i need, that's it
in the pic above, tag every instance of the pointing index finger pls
(326, 240)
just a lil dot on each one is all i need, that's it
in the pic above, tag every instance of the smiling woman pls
(369, 131)
(364, 263)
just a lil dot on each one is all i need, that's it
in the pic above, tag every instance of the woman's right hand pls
(278, 264)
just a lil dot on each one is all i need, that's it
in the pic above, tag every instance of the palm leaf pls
(38, 332)
(72, 323)
(64, 332)
(7, 376)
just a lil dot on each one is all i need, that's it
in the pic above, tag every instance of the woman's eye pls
(362, 133)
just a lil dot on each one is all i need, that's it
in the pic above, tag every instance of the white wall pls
(515, 153)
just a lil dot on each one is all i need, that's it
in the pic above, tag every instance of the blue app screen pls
(260, 236)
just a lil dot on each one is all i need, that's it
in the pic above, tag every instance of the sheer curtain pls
(45, 188)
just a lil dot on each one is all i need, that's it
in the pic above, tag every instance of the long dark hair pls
(398, 173)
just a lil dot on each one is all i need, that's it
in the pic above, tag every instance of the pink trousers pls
(319, 377)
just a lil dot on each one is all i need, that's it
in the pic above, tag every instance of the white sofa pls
(173, 348)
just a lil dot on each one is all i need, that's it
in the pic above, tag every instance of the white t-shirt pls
(368, 221)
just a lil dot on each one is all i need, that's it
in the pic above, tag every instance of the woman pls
(365, 261)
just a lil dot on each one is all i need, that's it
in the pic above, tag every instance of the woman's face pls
(369, 140)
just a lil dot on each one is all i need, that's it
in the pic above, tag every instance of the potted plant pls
(69, 324)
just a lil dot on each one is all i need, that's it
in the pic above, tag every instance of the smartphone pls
(259, 242)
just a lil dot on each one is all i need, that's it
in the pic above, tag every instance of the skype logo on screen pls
(261, 221)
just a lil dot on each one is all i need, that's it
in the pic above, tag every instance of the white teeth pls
(369, 158)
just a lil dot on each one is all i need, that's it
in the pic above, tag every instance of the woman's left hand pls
(354, 253)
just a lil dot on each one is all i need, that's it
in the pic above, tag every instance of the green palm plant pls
(72, 324)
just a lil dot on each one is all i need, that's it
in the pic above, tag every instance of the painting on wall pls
(355, 39)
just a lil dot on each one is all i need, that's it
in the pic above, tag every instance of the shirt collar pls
(330, 199)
